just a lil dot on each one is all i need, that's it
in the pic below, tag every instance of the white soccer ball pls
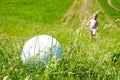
(41, 48)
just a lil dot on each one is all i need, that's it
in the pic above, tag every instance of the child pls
(93, 24)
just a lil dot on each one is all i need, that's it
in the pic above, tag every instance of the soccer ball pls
(41, 48)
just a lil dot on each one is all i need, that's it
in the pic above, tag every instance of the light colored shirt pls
(93, 23)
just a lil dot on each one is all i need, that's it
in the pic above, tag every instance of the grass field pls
(82, 58)
(116, 3)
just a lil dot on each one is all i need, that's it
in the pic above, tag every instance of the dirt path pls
(110, 20)
(109, 2)
(69, 13)
(83, 13)
(106, 16)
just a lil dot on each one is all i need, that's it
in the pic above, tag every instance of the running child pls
(93, 24)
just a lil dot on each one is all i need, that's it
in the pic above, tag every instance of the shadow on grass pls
(115, 59)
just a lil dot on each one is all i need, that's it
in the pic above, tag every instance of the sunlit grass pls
(82, 58)
(116, 3)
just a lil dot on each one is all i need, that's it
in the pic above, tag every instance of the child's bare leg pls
(93, 32)
(91, 36)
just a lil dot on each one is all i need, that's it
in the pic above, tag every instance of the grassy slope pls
(21, 20)
(34, 10)
(116, 3)
(110, 11)
(93, 55)
(81, 59)
(29, 18)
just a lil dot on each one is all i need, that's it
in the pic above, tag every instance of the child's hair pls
(95, 15)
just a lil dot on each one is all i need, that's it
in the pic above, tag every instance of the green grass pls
(116, 3)
(82, 58)
(34, 10)
(109, 10)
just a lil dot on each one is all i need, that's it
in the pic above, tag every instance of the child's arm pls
(97, 28)
(88, 23)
